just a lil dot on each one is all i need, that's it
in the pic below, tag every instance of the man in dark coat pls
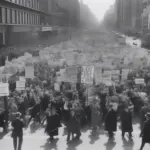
(35, 112)
(111, 121)
(144, 110)
(73, 125)
(53, 123)
(3, 121)
(126, 122)
(145, 134)
(17, 132)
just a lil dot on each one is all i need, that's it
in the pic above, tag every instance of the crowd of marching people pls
(71, 108)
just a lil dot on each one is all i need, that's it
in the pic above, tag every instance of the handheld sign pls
(20, 85)
(4, 89)
(139, 81)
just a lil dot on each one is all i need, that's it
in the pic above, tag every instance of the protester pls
(145, 134)
(53, 123)
(17, 132)
(126, 122)
(95, 112)
(111, 121)
(73, 125)
(144, 110)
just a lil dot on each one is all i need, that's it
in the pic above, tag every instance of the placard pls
(20, 85)
(115, 74)
(29, 72)
(71, 74)
(44, 54)
(139, 81)
(107, 77)
(4, 78)
(4, 89)
(87, 74)
(22, 78)
(98, 75)
(124, 74)
(57, 87)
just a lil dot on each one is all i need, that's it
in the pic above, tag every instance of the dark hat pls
(147, 115)
(18, 114)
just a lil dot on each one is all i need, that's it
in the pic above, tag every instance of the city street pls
(35, 139)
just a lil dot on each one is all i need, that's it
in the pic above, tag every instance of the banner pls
(71, 74)
(115, 75)
(4, 89)
(87, 74)
(139, 81)
(98, 75)
(107, 77)
(29, 71)
(20, 85)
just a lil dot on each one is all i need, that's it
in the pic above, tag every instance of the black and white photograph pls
(74, 74)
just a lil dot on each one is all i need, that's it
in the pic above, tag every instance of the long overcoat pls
(146, 132)
(126, 121)
(53, 123)
(111, 121)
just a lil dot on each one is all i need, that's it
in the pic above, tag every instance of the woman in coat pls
(126, 122)
(111, 121)
(95, 115)
(145, 134)
(73, 125)
(53, 123)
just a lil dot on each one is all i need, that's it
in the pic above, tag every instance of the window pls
(13, 17)
(11, 21)
(8, 15)
(0, 14)
(25, 18)
(15, 13)
(19, 20)
(22, 17)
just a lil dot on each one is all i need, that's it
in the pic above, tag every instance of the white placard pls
(22, 78)
(139, 81)
(4, 89)
(57, 87)
(29, 72)
(107, 77)
(20, 85)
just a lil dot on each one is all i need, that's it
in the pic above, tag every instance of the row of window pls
(27, 3)
(12, 16)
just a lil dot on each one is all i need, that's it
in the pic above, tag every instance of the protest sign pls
(20, 85)
(115, 75)
(107, 77)
(87, 74)
(98, 75)
(71, 74)
(22, 78)
(139, 81)
(29, 72)
(4, 78)
(124, 74)
(57, 87)
(44, 54)
(4, 89)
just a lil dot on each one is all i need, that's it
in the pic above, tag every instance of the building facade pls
(129, 14)
(24, 20)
